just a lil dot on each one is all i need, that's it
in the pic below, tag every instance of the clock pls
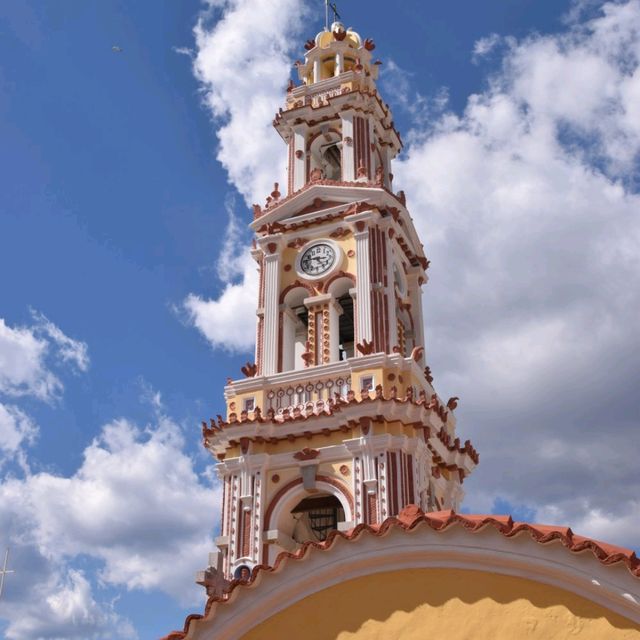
(317, 259)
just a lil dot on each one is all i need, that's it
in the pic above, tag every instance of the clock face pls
(318, 259)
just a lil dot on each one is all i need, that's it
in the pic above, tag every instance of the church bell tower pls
(336, 423)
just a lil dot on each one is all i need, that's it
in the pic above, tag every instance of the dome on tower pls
(338, 33)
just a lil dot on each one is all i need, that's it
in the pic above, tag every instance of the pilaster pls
(348, 162)
(299, 160)
(359, 223)
(271, 273)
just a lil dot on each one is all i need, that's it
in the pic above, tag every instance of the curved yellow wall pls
(445, 604)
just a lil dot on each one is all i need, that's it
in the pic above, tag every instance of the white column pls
(415, 296)
(339, 63)
(363, 286)
(271, 289)
(391, 296)
(348, 173)
(316, 70)
(299, 163)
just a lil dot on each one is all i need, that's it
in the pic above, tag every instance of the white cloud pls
(64, 609)
(22, 367)
(26, 355)
(528, 209)
(243, 63)
(73, 352)
(16, 430)
(231, 261)
(228, 322)
(135, 505)
(25, 368)
(486, 45)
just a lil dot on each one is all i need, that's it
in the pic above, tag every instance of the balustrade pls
(306, 395)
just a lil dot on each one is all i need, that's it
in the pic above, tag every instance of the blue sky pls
(123, 198)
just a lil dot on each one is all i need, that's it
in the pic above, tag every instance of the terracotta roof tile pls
(411, 516)
(334, 405)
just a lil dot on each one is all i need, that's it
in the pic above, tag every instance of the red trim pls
(372, 508)
(246, 533)
(340, 274)
(295, 285)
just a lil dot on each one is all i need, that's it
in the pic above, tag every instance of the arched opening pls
(315, 517)
(339, 289)
(286, 517)
(325, 153)
(346, 333)
(349, 63)
(295, 325)
(332, 162)
(328, 68)
(406, 338)
(399, 280)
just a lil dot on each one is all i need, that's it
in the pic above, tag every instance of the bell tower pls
(336, 423)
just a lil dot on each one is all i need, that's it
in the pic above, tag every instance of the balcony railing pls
(306, 395)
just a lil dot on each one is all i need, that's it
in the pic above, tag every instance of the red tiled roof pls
(333, 406)
(412, 515)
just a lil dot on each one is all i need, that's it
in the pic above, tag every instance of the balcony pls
(308, 389)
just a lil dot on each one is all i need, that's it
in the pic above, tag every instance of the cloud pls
(136, 507)
(228, 322)
(243, 62)
(22, 367)
(25, 365)
(16, 430)
(484, 46)
(73, 352)
(528, 205)
(230, 263)
(64, 608)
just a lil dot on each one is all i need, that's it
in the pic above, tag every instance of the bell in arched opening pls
(316, 517)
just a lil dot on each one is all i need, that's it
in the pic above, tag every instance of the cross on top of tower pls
(336, 15)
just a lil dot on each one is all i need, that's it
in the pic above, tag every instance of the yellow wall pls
(445, 604)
